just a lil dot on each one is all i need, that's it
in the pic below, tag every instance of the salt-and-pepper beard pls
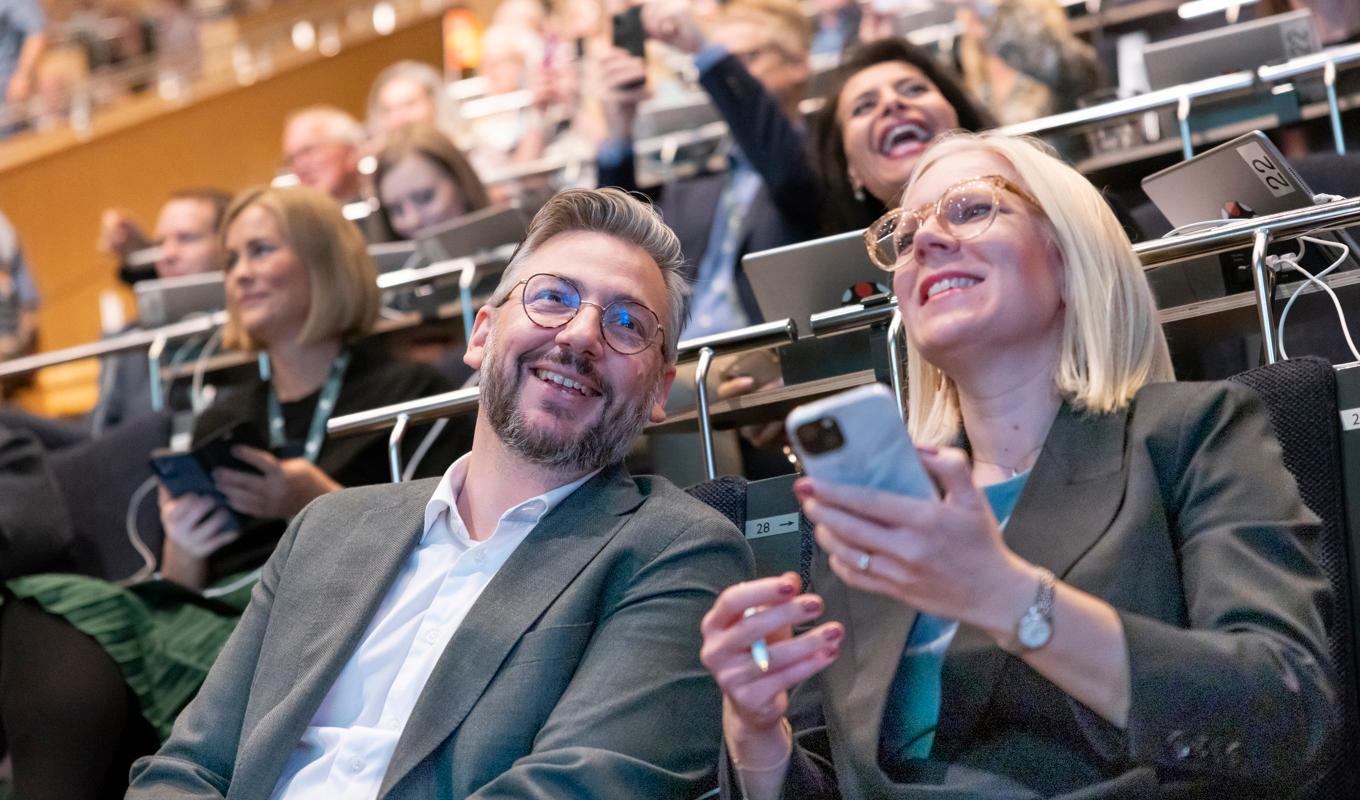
(604, 443)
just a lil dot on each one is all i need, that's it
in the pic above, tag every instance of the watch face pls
(1033, 631)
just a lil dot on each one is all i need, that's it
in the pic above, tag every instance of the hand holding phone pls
(884, 526)
(629, 34)
(857, 438)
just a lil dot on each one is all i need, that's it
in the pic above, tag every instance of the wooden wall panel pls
(230, 140)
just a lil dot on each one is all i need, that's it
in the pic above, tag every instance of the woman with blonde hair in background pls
(92, 673)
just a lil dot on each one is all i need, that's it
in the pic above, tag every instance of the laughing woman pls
(1115, 596)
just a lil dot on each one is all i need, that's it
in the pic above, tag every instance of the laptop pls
(1233, 48)
(1246, 177)
(163, 301)
(799, 280)
(1242, 178)
(393, 256)
(473, 234)
(673, 115)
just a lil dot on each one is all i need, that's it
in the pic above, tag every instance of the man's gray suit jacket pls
(575, 675)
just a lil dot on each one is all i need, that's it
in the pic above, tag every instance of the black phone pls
(630, 35)
(191, 472)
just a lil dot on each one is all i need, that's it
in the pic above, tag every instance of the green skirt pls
(163, 637)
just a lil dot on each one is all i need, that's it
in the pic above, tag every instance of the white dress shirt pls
(346, 749)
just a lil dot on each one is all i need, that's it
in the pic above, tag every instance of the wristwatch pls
(1035, 627)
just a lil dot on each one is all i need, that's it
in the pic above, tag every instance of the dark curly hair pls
(843, 212)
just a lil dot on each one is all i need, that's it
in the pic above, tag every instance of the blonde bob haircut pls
(1112, 342)
(340, 273)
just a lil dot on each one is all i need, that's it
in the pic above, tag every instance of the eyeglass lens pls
(552, 302)
(966, 210)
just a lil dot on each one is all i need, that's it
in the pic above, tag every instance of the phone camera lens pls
(820, 436)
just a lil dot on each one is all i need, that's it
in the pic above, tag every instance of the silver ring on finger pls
(864, 561)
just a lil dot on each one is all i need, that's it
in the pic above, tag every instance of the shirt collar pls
(533, 510)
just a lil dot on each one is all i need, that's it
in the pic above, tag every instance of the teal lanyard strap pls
(325, 404)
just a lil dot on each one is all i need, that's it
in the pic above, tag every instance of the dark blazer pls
(576, 674)
(777, 151)
(1179, 513)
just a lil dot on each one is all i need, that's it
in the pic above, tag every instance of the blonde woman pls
(1115, 595)
(92, 674)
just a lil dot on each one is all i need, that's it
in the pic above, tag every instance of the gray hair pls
(620, 215)
(338, 124)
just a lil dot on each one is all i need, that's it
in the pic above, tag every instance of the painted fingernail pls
(831, 652)
(787, 589)
(832, 634)
(802, 488)
(811, 605)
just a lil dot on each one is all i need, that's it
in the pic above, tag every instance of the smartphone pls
(191, 472)
(857, 438)
(630, 35)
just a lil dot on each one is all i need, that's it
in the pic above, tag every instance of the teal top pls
(913, 707)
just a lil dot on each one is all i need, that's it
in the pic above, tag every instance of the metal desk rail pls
(123, 343)
(1181, 96)
(703, 349)
(187, 329)
(1255, 233)
(400, 415)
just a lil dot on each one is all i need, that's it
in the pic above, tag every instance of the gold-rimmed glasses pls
(965, 210)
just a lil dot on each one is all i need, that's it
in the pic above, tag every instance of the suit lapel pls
(345, 596)
(539, 570)
(1072, 494)
(875, 635)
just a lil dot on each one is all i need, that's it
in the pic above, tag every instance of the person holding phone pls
(1114, 595)
(302, 293)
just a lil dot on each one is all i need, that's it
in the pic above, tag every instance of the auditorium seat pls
(1300, 395)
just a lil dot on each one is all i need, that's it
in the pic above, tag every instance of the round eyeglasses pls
(551, 301)
(964, 210)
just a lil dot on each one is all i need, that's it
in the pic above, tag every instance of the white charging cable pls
(1291, 261)
(197, 399)
(148, 567)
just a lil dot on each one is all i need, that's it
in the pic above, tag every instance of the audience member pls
(23, 40)
(1173, 640)
(408, 93)
(178, 50)
(18, 296)
(301, 291)
(185, 243)
(422, 179)
(888, 101)
(752, 62)
(1021, 59)
(514, 627)
(837, 26)
(510, 56)
(321, 147)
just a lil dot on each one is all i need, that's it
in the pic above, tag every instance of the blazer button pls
(1232, 754)
(1177, 745)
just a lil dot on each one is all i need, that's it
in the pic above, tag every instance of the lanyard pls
(325, 403)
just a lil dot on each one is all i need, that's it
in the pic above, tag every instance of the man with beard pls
(524, 626)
